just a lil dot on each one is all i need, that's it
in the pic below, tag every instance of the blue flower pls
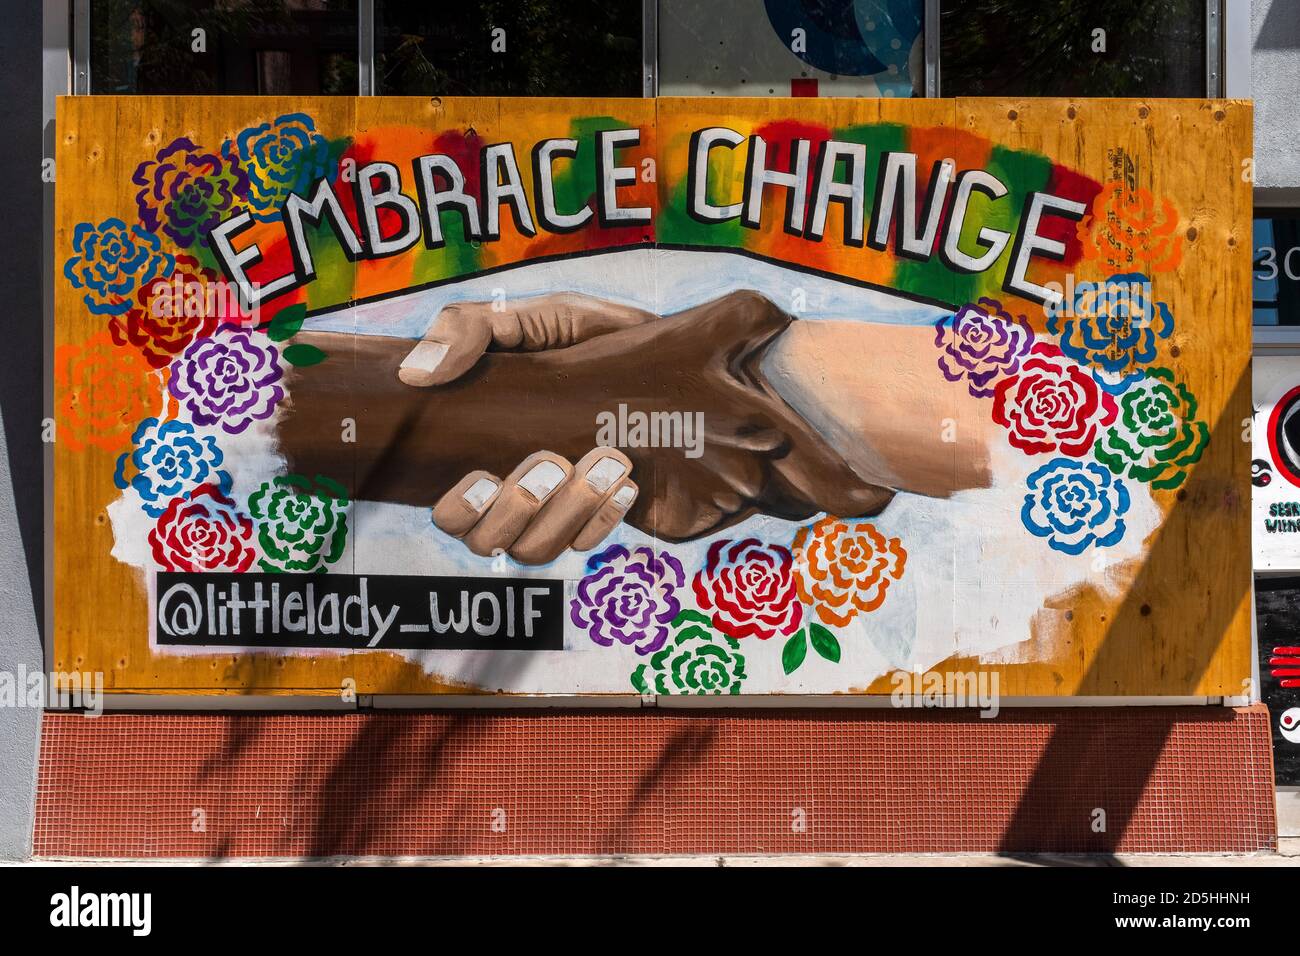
(1113, 327)
(280, 158)
(1075, 505)
(170, 461)
(112, 261)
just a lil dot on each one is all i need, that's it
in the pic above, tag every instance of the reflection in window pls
(223, 46)
(509, 48)
(1068, 48)
(1276, 266)
(791, 48)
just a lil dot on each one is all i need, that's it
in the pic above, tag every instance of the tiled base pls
(1169, 780)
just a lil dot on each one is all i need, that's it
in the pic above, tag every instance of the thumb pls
(464, 331)
(453, 343)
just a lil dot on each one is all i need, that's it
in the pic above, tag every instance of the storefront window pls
(1277, 268)
(509, 48)
(791, 48)
(1068, 48)
(223, 46)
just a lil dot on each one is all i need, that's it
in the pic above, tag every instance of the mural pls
(657, 397)
(1277, 608)
(1275, 464)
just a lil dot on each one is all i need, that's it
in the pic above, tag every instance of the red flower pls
(171, 312)
(749, 586)
(1052, 405)
(203, 532)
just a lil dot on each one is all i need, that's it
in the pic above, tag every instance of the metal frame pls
(59, 77)
(81, 47)
(649, 47)
(1275, 339)
(1227, 47)
(1213, 48)
(930, 26)
(1235, 30)
(365, 47)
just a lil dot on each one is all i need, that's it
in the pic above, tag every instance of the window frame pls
(1273, 339)
(1216, 43)
(1227, 47)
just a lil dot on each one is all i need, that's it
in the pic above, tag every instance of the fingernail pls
(625, 496)
(604, 473)
(480, 493)
(425, 357)
(543, 478)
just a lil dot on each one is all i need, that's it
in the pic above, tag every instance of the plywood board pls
(956, 390)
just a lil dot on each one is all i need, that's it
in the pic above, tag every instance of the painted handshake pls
(549, 504)
(456, 423)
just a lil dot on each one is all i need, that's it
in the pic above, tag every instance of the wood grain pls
(1182, 627)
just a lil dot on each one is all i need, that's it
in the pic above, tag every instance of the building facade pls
(1099, 682)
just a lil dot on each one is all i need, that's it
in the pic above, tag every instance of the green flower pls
(695, 660)
(1157, 435)
(301, 525)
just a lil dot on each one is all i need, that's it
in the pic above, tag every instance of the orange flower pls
(1125, 230)
(101, 392)
(842, 568)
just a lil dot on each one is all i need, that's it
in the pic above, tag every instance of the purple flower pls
(629, 597)
(188, 191)
(982, 343)
(227, 379)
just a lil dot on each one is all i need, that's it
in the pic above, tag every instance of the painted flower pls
(842, 568)
(749, 589)
(169, 461)
(302, 525)
(1075, 505)
(629, 597)
(1053, 404)
(1112, 327)
(113, 260)
(186, 191)
(281, 158)
(229, 379)
(1130, 229)
(172, 312)
(980, 344)
(1157, 437)
(203, 532)
(100, 393)
(696, 660)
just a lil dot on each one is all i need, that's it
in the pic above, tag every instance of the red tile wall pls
(655, 781)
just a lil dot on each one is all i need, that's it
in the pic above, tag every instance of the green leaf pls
(824, 643)
(302, 355)
(287, 322)
(795, 650)
(639, 681)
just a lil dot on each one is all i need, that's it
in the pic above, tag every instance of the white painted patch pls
(604, 473)
(480, 493)
(543, 478)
